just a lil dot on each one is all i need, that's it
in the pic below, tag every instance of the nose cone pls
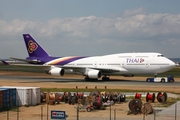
(166, 65)
(171, 64)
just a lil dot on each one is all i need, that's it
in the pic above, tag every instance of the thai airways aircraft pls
(95, 67)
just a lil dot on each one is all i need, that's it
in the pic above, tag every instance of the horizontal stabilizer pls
(25, 60)
(5, 63)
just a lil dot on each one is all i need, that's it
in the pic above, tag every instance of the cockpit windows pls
(160, 56)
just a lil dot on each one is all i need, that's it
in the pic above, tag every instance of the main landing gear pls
(104, 78)
(90, 79)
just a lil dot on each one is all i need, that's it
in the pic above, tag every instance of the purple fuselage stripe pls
(69, 60)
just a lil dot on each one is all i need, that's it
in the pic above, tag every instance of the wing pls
(103, 69)
(73, 68)
(111, 70)
(27, 65)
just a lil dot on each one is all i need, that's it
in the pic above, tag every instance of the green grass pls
(174, 72)
(90, 90)
(170, 101)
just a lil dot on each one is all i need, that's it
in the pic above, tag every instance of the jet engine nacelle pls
(57, 71)
(94, 74)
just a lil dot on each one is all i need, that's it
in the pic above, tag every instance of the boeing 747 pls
(95, 67)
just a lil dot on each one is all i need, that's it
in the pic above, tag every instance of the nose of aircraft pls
(171, 64)
(166, 65)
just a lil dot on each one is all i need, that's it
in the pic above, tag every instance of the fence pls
(115, 112)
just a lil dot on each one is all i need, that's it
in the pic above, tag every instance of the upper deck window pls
(160, 56)
(124, 56)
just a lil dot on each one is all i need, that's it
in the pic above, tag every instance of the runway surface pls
(120, 82)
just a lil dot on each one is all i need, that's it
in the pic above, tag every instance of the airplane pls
(95, 67)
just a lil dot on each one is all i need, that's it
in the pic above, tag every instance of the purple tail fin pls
(33, 48)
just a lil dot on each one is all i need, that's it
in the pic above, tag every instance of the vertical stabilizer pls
(33, 48)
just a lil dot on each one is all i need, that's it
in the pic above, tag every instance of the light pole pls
(41, 112)
(17, 109)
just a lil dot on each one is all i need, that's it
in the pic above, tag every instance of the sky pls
(90, 27)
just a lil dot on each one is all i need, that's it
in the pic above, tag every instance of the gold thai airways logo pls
(32, 46)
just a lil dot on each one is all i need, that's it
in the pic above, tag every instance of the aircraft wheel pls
(148, 80)
(86, 78)
(105, 78)
(162, 80)
(171, 80)
(90, 79)
(88, 109)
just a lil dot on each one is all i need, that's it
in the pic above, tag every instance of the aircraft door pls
(95, 64)
(124, 63)
(147, 63)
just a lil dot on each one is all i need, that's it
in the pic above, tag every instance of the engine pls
(94, 74)
(57, 71)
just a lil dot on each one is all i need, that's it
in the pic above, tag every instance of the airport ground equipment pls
(135, 106)
(43, 97)
(85, 107)
(146, 108)
(58, 97)
(25, 96)
(50, 98)
(162, 97)
(150, 97)
(113, 96)
(90, 103)
(138, 96)
(121, 98)
(161, 79)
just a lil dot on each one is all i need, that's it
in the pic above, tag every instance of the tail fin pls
(33, 48)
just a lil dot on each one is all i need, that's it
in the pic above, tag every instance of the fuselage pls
(124, 63)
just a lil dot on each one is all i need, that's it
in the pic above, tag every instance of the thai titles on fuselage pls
(134, 60)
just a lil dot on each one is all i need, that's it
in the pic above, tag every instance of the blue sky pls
(91, 27)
